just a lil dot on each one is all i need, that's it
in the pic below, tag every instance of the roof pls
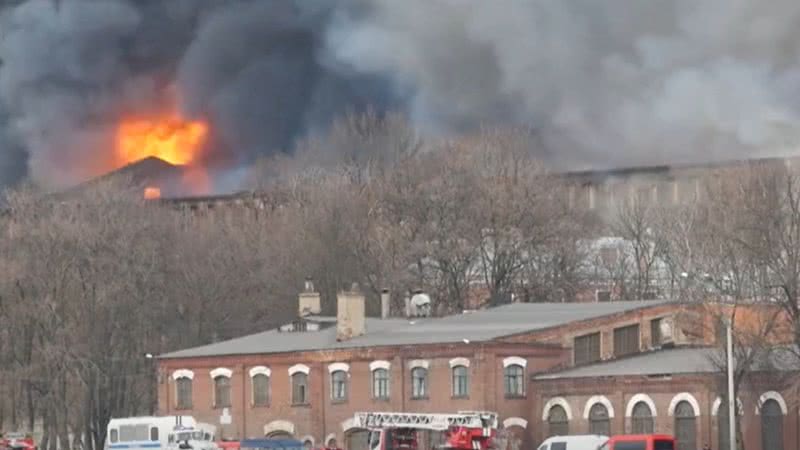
(675, 361)
(477, 326)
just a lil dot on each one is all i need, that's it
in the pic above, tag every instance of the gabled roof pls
(477, 326)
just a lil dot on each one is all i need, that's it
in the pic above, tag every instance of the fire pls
(152, 193)
(168, 137)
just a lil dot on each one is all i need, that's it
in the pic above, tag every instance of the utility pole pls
(731, 394)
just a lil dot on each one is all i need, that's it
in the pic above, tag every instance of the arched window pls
(460, 381)
(222, 391)
(557, 421)
(722, 425)
(183, 393)
(771, 425)
(339, 385)
(260, 389)
(642, 419)
(419, 382)
(299, 388)
(599, 423)
(685, 426)
(380, 384)
(515, 380)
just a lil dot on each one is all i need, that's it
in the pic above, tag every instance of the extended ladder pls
(434, 421)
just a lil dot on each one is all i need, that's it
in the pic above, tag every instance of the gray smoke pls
(611, 83)
(605, 83)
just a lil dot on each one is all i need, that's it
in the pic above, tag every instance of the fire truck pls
(466, 430)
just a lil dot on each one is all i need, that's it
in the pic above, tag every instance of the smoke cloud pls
(602, 83)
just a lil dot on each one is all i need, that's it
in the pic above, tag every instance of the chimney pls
(350, 317)
(385, 299)
(308, 300)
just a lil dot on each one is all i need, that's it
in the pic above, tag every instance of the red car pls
(640, 442)
(17, 441)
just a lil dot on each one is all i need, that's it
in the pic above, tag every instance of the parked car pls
(640, 442)
(17, 441)
(578, 442)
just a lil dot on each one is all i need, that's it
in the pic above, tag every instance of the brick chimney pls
(308, 301)
(385, 299)
(350, 314)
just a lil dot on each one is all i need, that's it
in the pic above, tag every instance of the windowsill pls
(424, 397)
(459, 397)
(516, 396)
(183, 408)
(221, 406)
(265, 405)
(338, 401)
(381, 399)
(301, 405)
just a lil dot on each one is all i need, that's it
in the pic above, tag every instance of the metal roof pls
(476, 326)
(675, 361)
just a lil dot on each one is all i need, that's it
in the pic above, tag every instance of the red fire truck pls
(468, 430)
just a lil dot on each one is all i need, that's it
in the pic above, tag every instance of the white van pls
(202, 436)
(143, 433)
(582, 442)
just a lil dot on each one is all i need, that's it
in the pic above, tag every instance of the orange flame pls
(169, 137)
(152, 193)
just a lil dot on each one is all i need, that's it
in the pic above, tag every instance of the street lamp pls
(731, 398)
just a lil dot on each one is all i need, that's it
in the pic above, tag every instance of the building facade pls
(545, 368)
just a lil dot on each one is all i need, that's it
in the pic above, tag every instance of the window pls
(599, 422)
(419, 382)
(380, 384)
(587, 348)
(655, 332)
(626, 340)
(557, 422)
(685, 426)
(460, 381)
(515, 380)
(299, 388)
(260, 389)
(114, 436)
(642, 419)
(222, 391)
(722, 426)
(183, 390)
(154, 434)
(339, 385)
(632, 445)
(558, 446)
(664, 445)
(771, 425)
(128, 433)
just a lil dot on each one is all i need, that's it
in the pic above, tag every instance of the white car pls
(582, 442)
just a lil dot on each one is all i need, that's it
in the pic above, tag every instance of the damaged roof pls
(476, 326)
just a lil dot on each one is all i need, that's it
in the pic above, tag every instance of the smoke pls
(602, 83)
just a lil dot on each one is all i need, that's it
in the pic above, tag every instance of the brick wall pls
(324, 417)
(619, 392)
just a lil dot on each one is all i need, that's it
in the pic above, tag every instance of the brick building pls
(545, 368)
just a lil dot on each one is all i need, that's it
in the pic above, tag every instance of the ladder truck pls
(466, 430)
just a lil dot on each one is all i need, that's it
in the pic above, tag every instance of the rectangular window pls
(222, 392)
(655, 332)
(260, 390)
(419, 382)
(339, 386)
(183, 387)
(128, 433)
(380, 384)
(460, 381)
(626, 340)
(587, 348)
(154, 434)
(299, 388)
(114, 436)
